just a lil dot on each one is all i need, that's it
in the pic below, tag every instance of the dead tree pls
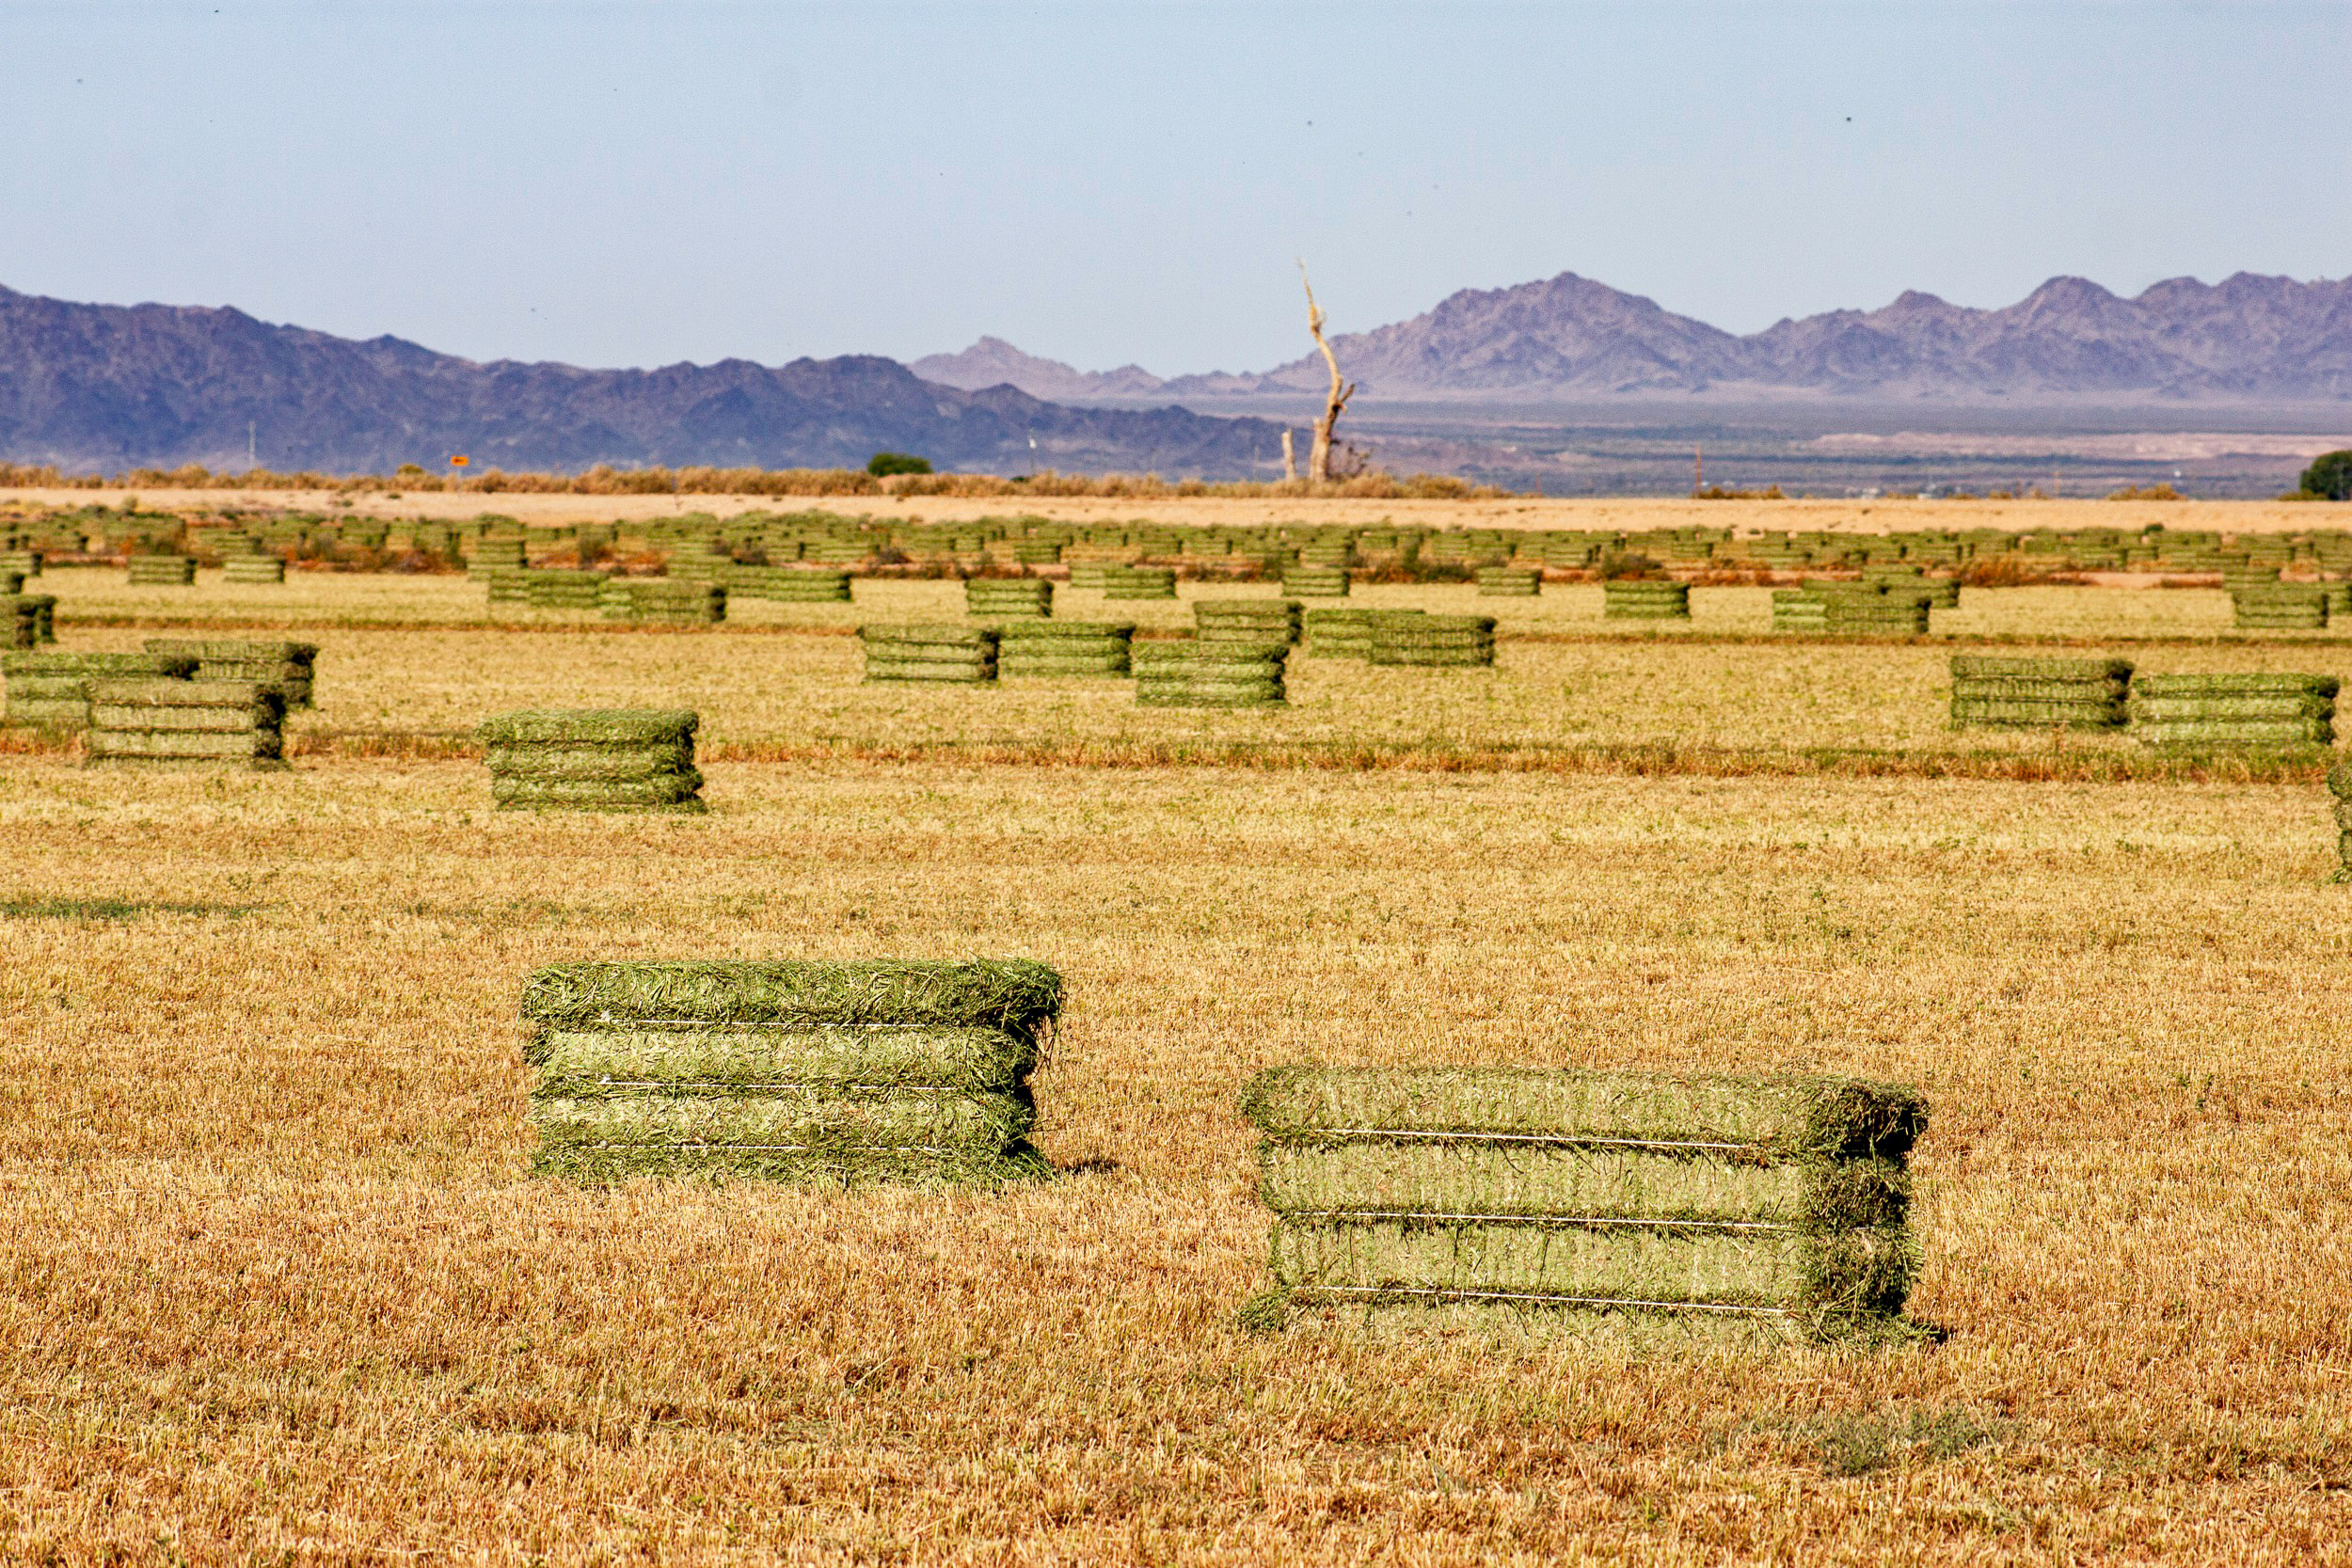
(1334, 403)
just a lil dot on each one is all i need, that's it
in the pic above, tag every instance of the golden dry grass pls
(276, 1286)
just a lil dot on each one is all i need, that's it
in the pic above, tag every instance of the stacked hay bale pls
(495, 554)
(956, 654)
(1211, 675)
(1315, 582)
(1139, 582)
(253, 569)
(1005, 597)
(162, 571)
(1999, 692)
(1247, 620)
(51, 691)
(2235, 710)
(1607, 1203)
(790, 585)
(1347, 633)
(2340, 786)
(1803, 609)
(875, 1071)
(291, 667)
(1866, 612)
(596, 759)
(25, 563)
(44, 608)
(1064, 648)
(1636, 599)
(674, 601)
(1433, 640)
(23, 621)
(181, 722)
(2281, 605)
(1509, 582)
(564, 588)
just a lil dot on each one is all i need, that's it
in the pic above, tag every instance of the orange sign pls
(459, 461)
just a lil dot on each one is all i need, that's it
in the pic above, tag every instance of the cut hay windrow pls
(291, 667)
(1315, 582)
(1587, 1195)
(1637, 600)
(832, 1072)
(1432, 640)
(596, 759)
(1998, 691)
(162, 571)
(194, 723)
(944, 651)
(1056, 648)
(52, 689)
(1509, 582)
(1247, 620)
(1008, 596)
(1211, 675)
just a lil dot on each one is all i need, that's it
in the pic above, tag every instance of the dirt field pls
(277, 1289)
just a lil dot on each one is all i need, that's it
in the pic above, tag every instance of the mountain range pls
(1568, 339)
(107, 388)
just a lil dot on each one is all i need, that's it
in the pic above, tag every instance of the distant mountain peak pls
(993, 362)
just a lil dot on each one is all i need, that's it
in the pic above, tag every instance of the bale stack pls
(174, 721)
(2235, 710)
(1139, 582)
(595, 759)
(1634, 599)
(564, 588)
(1008, 598)
(2281, 605)
(834, 1073)
(53, 689)
(1994, 693)
(1315, 582)
(22, 627)
(664, 601)
(487, 555)
(44, 608)
(1211, 675)
(1802, 610)
(1591, 1203)
(791, 585)
(291, 667)
(1433, 640)
(162, 571)
(1509, 582)
(25, 563)
(958, 654)
(1247, 620)
(1064, 648)
(254, 569)
(1866, 612)
(1347, 633)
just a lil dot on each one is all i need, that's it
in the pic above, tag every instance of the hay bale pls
(19, 622)
(1630, 599)
(52, 689)
(596, 759)
(1043, 648)
(1999, 691)
(855, 1072)
(1139, 582)
(1008, 596)
(1211, 675)
(930, 651)
(674, 601)
(1506, 582)
(1890, 610)
(1247, 620)
(2253, 709)
(1431, 641)
(1346, 633)
(291, 667)
(2280, 605)
(1315, 582)
(789, 585)
(253, 569)
(183, 721)
(162, 571)
(1587, 1198)
(43, 607)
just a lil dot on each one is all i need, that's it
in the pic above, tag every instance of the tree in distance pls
(2329, 477)
(884, 463)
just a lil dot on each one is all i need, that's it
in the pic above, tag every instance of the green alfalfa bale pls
(2281, 733)
(52, 689)
(253, 569)
(2234, 686)
(1139, 583)
(2007, 668)
(590, 727)
(591, 764)
(185, 721)
(584, 1060)
(1783, 1116)
(1051, 648)
(1434, 640)
(914, 652)
(813, 1117)
(162, 571)
(799, 585)
(44, 616)
(1008, 596)
(663, 793)
(958, 1167)
(1341, 633)
(2146, 710)
(1247, 620)
(289, 666)
(1506, 582)
(1315, 582)
(1386, 1178)
(23, 629)
(2090, 715)
(1018, 996)
(1211, 675)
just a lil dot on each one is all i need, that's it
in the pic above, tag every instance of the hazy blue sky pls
(642, 182)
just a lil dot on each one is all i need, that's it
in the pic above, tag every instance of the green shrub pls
(884, 463)
(2329, 477)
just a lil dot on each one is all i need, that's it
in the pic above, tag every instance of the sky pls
(643, 182)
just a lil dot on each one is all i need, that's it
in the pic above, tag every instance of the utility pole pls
(1698, 466)
(252, 440)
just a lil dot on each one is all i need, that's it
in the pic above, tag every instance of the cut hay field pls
(277, 1288)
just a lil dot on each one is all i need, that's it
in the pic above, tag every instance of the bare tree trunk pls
(1290, 457)
(1335, 402)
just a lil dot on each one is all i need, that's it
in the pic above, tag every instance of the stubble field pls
(276, 1286)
